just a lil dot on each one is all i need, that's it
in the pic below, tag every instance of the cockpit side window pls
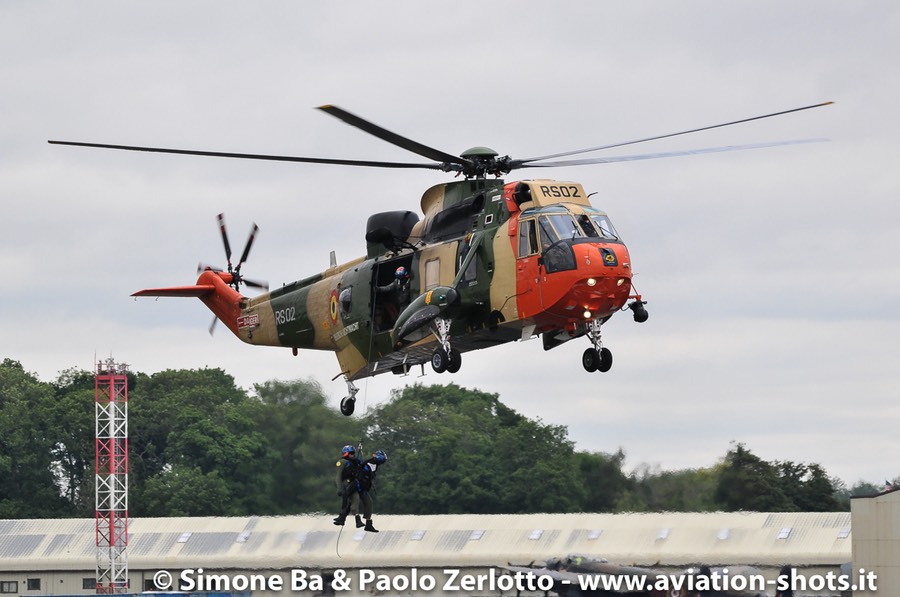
(527, 238)
(604, 225)
(548, 234)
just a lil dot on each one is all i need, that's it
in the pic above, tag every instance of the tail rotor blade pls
(249, 244)
(255, 284)
(221, 219)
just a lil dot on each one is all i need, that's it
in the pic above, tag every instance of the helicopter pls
(490, 262)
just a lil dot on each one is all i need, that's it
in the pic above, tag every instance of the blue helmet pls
(380, 457)
(401, 273)
(348, 451)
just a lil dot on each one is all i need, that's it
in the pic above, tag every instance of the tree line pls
(201, 446)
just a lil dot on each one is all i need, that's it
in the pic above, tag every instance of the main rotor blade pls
(518, 163)
(255, 156)
(666, 154)
(394, 138)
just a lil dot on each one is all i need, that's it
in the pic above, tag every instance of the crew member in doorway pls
(396, 294)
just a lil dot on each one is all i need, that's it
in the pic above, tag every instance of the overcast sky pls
(771, 275)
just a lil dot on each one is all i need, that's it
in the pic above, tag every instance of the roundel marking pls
(333, 306)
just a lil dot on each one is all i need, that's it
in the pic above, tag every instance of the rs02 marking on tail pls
(285, 315)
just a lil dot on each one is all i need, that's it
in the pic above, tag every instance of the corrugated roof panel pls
(59, 544)
(208, 544)
(284, 542)
(316, 540)
(19, 546)
(144, 543)
(385, 540)
(453, 540)
(547, 537)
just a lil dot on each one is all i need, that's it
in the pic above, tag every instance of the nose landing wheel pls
(598, 357)
(597, 360)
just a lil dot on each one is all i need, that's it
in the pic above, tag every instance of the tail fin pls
(212, 288)
(197, 290)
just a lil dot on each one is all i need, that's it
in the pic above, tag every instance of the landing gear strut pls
(445, 358)
(348, 403)
(598, 357)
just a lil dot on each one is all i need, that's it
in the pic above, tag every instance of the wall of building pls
(876, 541)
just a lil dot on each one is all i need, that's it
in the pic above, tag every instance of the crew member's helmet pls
(348, 452)
(380, 457)
(401, 273)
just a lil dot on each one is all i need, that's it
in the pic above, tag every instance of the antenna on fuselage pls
(332, 260)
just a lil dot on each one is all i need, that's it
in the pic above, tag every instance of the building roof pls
(247, 543)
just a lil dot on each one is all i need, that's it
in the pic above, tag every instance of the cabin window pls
(345, 299)
(432, 273)
(9, 586)
(527, 238)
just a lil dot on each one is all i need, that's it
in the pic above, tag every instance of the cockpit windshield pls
(559, 226)
(558, 223)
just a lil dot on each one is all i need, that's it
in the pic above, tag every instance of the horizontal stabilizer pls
(197, 290)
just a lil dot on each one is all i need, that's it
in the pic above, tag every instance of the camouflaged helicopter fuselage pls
(341, 310)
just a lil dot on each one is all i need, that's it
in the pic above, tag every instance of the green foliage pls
(455, 450)
(185, 490)
(28, 486)
(305, 436)
(602, 476)
(688, 490)
(201, 446)
(72, 412)
(750, 483)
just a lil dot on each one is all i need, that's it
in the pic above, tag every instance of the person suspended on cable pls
(347, 468)
(362, 490)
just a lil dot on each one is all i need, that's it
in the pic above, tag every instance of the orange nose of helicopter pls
(598, 285)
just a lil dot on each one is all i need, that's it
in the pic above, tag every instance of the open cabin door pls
(390, 294)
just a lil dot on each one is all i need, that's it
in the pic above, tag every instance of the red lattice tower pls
(111, 492)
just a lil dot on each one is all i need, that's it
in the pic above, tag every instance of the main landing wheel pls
(455, 361)
(348, 405)
(605, 360)
(440, 360)
(590, 360)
